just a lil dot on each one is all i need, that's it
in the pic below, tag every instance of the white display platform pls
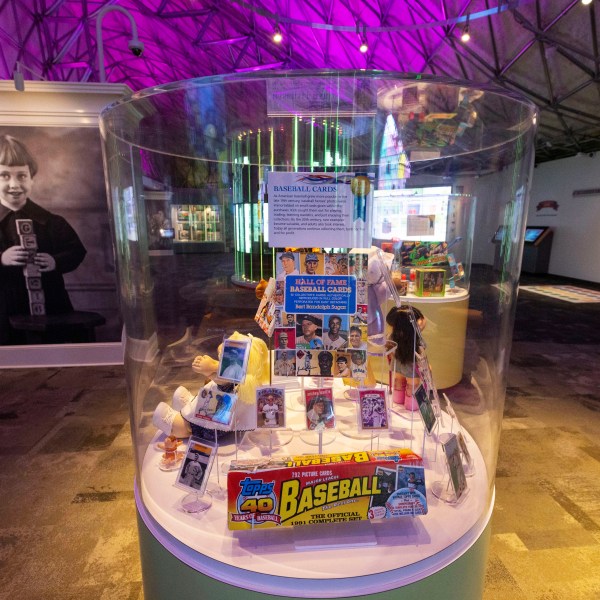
(406, 549)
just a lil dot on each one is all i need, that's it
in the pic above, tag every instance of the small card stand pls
(334, 535)
(271, 439)
(453, 487)
(195, 503)
(349, 425)
(194, 474)
(467, 459)
(216, 490)
(320, 438)
(451, 413)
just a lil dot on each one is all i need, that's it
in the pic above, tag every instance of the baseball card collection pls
(325, 488)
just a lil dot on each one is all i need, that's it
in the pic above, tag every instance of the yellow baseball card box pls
(430, 282)
(325, 488)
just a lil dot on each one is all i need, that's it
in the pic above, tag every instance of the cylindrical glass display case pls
(343, 209)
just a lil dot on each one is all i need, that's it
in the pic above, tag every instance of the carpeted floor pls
(67, 519)
(569, 293)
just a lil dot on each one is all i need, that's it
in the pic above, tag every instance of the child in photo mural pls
(55, 248)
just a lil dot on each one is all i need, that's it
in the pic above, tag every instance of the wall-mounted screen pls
(414, 214)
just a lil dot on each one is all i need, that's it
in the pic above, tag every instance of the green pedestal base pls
(167, 578)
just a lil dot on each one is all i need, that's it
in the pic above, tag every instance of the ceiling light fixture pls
(465, 36)
(277, 35)
(19, 78)
(586, 2)
(364, 46)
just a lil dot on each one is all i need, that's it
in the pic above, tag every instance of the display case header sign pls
(311, 97)
(317, 210)
(320, 294)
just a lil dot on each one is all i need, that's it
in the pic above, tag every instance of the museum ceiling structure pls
(545, 50)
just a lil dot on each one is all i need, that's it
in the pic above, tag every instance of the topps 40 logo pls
(256, 502)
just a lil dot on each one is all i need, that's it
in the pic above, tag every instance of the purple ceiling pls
(545, 49)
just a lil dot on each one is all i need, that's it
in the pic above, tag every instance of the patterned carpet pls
(67, 518)
(568, 293)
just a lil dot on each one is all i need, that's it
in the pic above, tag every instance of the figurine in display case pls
(176, 420)
(406, 379)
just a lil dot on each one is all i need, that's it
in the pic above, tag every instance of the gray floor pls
(67, 520)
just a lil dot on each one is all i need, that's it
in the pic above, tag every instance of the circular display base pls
(172, 570)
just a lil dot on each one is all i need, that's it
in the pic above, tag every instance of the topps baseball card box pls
(325, 488)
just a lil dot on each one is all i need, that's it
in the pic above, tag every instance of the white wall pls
(576, 223)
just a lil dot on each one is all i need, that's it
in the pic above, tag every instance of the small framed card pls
(265, 312)
(455, 465)
(425, 408)
(319, 409)
(372, 412)
(196, 466)
(233, 362)
(270, 407)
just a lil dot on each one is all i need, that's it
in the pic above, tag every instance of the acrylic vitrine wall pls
(447, 164)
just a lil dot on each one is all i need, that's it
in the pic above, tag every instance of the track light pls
(277, 36)
(19, 79)
(465, 35)
(364, 46)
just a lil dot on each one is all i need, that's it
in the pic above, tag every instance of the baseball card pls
(372, 410)
(233, 362)
(423, 399)
(455, 466)
(196, 466)
(270, 407)
(319, 409)
(211, 405)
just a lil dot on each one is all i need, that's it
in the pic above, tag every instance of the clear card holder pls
(452, 488)
(194, 502)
